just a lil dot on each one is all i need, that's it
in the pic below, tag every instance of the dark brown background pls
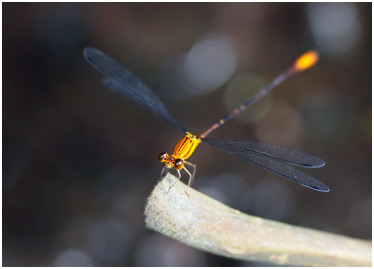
(79, 162)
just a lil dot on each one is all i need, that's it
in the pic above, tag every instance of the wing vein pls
(272, 164)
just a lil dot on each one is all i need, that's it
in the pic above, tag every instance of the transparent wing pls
(121, 80)
(273, 158)
(290, 156)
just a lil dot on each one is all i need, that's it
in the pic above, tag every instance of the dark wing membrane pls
(290, 156)
(121, 80)
(272, 164)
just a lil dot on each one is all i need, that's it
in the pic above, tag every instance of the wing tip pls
(321, 188)
(327, 189)
(317, 164)
(88, 52)
(322, 163)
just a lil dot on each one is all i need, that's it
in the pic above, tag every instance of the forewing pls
(290, 156)
(272, 164)
(121, 80)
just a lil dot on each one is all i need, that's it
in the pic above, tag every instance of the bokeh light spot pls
(335, 26)
(210, 62)
(73, 257)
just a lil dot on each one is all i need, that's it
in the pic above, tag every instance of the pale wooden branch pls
(204, 223)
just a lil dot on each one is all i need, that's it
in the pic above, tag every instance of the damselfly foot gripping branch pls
(273, 158)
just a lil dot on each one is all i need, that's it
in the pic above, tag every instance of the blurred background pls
(79, 161)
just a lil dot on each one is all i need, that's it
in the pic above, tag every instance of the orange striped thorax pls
(182, 151)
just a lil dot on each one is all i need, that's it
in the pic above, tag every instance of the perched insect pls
(270, 157)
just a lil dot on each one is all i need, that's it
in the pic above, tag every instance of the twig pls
(204, 223)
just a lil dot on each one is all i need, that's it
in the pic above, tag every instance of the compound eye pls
(162, 156)
(179, 163)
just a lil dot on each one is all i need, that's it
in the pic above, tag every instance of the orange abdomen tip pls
(306, 60)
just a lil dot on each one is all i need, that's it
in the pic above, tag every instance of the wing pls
(273, 158)
(121, 80)
(290, 156)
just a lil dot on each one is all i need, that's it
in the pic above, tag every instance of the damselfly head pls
(171, 161)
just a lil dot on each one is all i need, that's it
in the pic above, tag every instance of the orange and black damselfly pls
(273, 158)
